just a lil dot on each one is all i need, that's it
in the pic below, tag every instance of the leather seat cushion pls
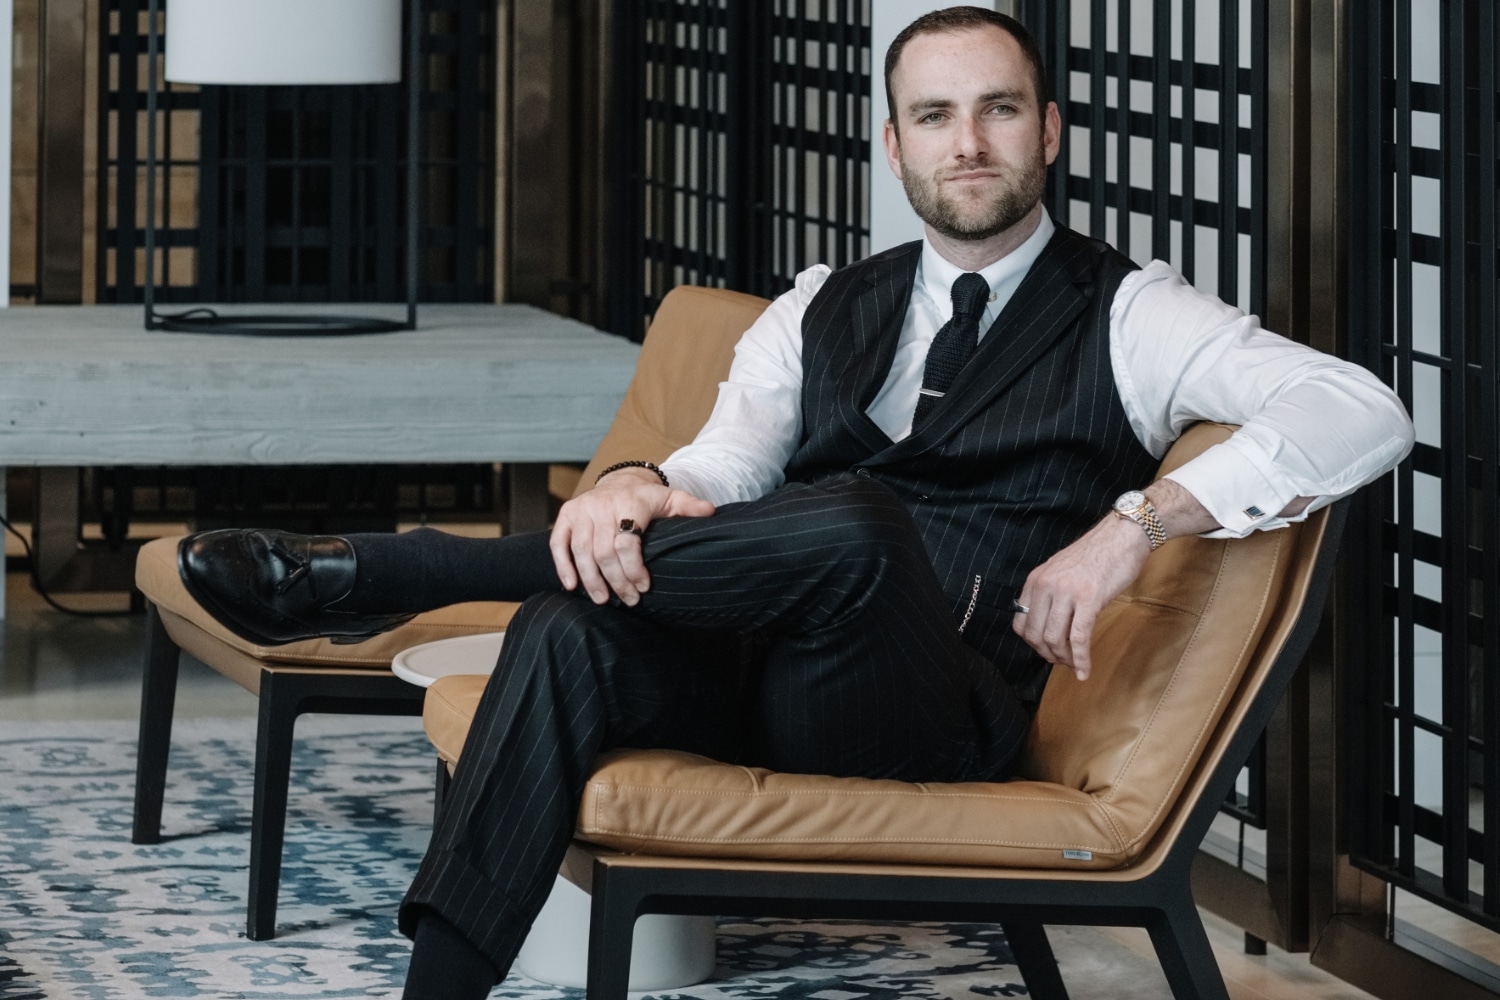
(668, 802)
(674, 803)
(156, 577)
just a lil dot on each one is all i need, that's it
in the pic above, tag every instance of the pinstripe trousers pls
(858, 669)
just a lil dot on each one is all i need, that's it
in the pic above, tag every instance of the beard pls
(1017, 191)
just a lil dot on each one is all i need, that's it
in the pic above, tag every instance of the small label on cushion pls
(1079, 855)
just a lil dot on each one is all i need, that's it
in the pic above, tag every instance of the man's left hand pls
(1064, 595)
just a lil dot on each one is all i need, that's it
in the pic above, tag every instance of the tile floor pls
(53, 666)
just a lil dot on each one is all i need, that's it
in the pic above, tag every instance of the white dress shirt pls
(1311, 425)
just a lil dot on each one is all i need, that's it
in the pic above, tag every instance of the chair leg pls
(1028, 942)
(611, 933)
(158, 698)
(1185, 954)
(273, 768)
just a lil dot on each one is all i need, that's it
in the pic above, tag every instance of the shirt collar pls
(937, 274)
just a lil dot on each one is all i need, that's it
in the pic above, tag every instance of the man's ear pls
(1051, 131)
(893, 147)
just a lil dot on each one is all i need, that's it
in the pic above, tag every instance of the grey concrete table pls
(86, 385)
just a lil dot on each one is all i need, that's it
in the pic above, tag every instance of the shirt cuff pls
(1239, 486)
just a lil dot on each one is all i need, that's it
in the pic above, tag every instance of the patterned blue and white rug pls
(85, 914)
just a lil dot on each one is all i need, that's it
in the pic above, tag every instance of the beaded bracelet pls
(636, 463)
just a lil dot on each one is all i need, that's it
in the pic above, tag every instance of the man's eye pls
(931, 118)
(1003, 109)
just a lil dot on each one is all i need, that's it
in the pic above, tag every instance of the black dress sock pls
(445, 966)
(425, 569)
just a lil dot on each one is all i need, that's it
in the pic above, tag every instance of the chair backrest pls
(1179, 659)
(685, 356)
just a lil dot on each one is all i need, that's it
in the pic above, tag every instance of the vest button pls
(923, 498)
(862, 472)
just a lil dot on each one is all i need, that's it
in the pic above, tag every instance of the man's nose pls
(972, 142)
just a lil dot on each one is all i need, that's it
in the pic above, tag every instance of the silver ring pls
(627, 526)
(1017, 608)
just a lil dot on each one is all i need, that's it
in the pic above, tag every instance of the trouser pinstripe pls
(858, 669)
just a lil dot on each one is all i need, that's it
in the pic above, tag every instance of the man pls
(886, 531)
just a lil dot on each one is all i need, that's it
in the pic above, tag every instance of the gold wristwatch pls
(1133, 506)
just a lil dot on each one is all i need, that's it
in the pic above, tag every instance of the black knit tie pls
(953, 344)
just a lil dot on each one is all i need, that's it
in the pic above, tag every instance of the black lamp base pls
(272, 325)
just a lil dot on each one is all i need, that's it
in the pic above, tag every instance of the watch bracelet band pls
(1145, 515)
(636, 463)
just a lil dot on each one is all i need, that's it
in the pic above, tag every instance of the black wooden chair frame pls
(285, 694)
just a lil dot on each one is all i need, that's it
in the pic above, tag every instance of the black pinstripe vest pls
(1024, 453)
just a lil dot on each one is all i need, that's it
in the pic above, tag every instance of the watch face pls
(1128, 502)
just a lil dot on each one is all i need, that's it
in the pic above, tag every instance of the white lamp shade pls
(283, 41)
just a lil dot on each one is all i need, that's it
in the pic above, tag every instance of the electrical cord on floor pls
(36, 581)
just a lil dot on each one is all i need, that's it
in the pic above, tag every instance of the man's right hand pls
(588, 547)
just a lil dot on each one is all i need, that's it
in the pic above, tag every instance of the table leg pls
(64, 563)
(54, 529)
(528, 497)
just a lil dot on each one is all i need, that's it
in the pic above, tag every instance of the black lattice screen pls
(742, 155)
(1163, 155)
(1424, 692)
(1163, 147)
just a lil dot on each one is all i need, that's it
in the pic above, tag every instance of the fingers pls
(560, 544)
(617, 556)
(1079, 636)
(606, 560)
(582, 550)
(1066, 594)
(596, 543)
(572, 547)
(589, 551)
(1058, 624)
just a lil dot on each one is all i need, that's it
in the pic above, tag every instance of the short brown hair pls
(965, 19)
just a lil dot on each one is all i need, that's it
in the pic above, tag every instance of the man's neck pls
(976, 255)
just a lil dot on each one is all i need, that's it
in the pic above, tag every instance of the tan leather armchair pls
(1121, 777)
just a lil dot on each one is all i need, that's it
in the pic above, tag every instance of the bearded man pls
(926, 475)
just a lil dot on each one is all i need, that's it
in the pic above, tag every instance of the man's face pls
(973, 145)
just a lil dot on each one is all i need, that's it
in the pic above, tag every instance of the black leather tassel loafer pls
(274, 587)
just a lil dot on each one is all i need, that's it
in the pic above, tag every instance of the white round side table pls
(464, 654)
(668, 951)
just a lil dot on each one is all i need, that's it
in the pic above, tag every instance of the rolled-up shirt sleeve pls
(1310, 424)
(742, 451)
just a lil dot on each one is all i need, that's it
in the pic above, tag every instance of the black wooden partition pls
(1422, 680)
(1177, 170)
(741, 145)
